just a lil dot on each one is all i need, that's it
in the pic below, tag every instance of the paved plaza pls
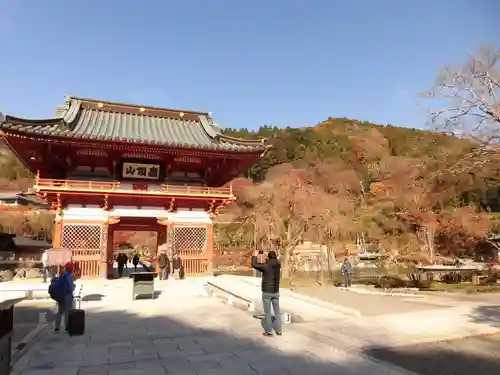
(182, 333)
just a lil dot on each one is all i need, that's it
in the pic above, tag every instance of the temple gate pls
(104, 165)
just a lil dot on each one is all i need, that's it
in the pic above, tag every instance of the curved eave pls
(215, 134)
(24, 121)
(109, 142)
(262, 142)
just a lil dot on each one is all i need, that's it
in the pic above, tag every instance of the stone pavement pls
(180, 333)
(426, 322)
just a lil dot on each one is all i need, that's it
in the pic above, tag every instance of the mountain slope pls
(353, 141)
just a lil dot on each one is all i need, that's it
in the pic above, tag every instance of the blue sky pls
(276, 62)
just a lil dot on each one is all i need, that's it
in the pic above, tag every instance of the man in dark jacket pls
(135, 261)
(271, 272)
(346, 270)
(122, 262)
(164, 265)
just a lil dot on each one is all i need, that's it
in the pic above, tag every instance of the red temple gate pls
(105, 154)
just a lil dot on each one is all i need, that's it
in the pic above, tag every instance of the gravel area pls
(369, 304)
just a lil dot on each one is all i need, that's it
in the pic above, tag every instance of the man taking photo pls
(271, 272)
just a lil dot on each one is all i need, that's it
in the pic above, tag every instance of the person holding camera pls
(271, 272)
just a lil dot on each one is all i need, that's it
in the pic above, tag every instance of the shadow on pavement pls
(93, 297)
(222, 340)
(475, 355)
(478, 355)
(122, 342)
(486, 314)
(26, 317)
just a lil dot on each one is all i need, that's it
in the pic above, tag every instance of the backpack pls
(57, 288)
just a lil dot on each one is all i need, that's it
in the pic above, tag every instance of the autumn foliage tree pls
(283, 207)
(27, 222)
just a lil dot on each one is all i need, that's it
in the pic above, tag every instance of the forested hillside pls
(13, 175)
(344, 181)
(355, 142)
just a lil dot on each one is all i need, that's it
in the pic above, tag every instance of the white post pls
(42, 318)
(203, 289)
(251, 307)
(230, 300)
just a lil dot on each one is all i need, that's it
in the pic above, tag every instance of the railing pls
(44, 184)
(230, 295)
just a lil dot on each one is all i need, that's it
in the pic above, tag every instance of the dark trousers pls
(163, 275)
(120, 270)
(46, 273)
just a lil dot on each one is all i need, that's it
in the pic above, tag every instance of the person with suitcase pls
(61, 290)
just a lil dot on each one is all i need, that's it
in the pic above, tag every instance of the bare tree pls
(471, 95)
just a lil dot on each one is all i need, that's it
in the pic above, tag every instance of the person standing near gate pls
(176, 266)
(135, 261)
(61, 290)
(271, 274)
(122, 262)
(164, 265)
(346, 271)
(45, 266)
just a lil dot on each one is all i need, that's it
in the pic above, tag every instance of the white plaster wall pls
(190, 217)
(77, 212)
(74, 212)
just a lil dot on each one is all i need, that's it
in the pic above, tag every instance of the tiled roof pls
(90, 119)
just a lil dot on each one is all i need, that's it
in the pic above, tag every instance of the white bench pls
(286, 317)
(230, 295)
(27, 289)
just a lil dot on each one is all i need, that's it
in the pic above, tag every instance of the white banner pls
(139, 171)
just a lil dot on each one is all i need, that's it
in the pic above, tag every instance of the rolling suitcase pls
(76, 320)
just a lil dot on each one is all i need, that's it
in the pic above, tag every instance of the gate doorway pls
(95, 245)
(142, 243)
(141, 235)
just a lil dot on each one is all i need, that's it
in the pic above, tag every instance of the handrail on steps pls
(230, 296)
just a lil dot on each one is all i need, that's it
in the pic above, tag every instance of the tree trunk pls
(430, 242)
(286, 254)
(330, 263)
(321, 262)
(285, 269)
